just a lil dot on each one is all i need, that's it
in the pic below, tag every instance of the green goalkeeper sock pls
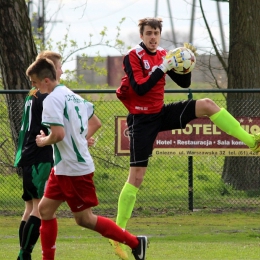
(126, 204)
(228, 124)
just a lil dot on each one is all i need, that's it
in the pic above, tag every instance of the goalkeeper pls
(142, 93)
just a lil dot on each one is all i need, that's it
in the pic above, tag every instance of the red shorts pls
(78, 191)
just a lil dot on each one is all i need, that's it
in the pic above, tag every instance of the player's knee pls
(79, 221)
(206, 106)
(44, 212)
(207, 102)
(86, 219)
(84, 222)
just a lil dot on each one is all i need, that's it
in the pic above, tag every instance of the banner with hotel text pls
(200, 138)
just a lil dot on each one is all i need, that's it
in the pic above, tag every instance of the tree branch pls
(212, 41)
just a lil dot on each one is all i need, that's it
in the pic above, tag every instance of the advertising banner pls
(200, 138)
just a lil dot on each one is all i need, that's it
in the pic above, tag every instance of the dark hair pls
(153, 22)
(42, 68)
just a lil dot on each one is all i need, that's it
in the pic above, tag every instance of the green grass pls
(164, 192)
(198, 235)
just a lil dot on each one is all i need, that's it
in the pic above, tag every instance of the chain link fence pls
(172, 183)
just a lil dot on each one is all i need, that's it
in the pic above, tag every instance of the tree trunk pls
(17, 52)
(243, 73)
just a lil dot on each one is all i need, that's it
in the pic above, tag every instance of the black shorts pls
(143, 128)
(34, 180)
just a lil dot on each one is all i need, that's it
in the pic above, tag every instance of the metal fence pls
(172, 183)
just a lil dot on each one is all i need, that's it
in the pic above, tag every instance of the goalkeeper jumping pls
(142, 93)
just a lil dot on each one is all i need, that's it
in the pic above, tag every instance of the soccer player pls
(35, 162)
(71, 120)
(142, 93)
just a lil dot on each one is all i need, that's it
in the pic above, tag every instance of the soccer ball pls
(188, 63)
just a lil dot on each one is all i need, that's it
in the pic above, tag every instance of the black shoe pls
(140, 251)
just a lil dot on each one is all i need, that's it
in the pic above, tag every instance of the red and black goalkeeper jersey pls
(142, 87)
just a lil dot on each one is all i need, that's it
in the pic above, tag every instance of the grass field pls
(197, 235)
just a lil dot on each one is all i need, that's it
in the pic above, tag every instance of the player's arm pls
(134, 71)
(183, 81)
(94, 124)
(56, 135)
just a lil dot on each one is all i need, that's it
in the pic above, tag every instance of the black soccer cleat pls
(140, 251)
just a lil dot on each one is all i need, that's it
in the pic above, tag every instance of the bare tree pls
(17, 52)
(243, 73)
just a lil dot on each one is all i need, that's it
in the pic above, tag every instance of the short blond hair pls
(53, 56)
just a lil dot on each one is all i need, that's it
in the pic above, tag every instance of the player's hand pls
(91, 141)
(173, 59)
(40, 139)
(191, 47)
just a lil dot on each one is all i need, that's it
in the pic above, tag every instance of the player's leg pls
(28, 203)
(35, 177)
(128, 194)
(84, 198)
(31, 232)
(107, 228)
(126, 202)
(49, 227)
(143, 130)
(47, 208)
(25, 217)
(226, 122)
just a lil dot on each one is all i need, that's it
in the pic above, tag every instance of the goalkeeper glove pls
(173, 59)
(191, 47)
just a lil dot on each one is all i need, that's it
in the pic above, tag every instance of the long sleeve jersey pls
(142, 87)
